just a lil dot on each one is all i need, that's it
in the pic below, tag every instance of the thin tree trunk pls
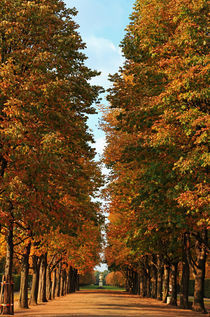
(144, 282)
(42, 279)
(58, 280)
(173, 299)
(199, 272)
(77, 281)
(159, 278)
(23, 301)
(48, 284)
(148, 281)
(184, 287)
(138, 283)
(68, 281)
(35, 279)
(62, 283)
(8, 309)
(166, 282)
(54, 283)
(154, 282)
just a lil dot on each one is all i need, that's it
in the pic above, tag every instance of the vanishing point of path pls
(107, 304)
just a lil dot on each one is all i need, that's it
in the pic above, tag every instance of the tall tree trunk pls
(166, 282)
(62, 283)
(68, 280)
(65, 282)
(71, 278)
(129, 280)
(148, 282)
(48, 284)
(138, 283)
(144, 282)
(135, 283)
(42, 279)
(199, 271)
(173, 282)
(159, 278)
(184, 287)
(8, 309)
(147, 276)
(23, 301)
(153, 281)
(54, 283)
(58, 280)
(35, 280)
(77, 281)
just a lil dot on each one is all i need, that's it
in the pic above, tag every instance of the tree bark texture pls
(48, 284)
(23, 301)
(42, 279)
(58, 280)
(166, 282)
(35, 279)
(199, 272)
(173, 283)
(153, 281)
(54, 283)
(8, 301)
(159, 279)
(185, 276)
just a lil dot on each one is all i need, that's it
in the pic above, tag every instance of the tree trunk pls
(154, 282)
(23, 301)
(48, 284)
(184, 287)
(62, 283)
(68, 280)
(199, 272)
(35, 279)
(8, 309)
(148, 281)
(42, 279)
(71, 280)
(65, 282)
(58, 280)
(159, 278)
(138, 283)
(144, 282)
(166, 282)
(173, 299)
(77, 288)
(54, 283)
(76, 280)
(129, 280)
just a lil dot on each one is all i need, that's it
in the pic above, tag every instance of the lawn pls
(105, 287)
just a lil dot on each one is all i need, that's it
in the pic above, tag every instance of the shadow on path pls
(107, 304)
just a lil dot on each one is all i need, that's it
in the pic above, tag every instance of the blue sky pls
(102, 24)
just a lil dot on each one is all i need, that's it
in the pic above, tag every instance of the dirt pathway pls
(107, 304)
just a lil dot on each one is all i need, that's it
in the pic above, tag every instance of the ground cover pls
(105, 303)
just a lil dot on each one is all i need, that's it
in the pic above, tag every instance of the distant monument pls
(101, 280)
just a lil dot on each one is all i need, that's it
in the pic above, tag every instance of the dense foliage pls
(48, 176)
(157, 130)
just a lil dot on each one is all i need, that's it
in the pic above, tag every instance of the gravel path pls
(107, 304)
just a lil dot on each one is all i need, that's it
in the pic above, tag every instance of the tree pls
(46, 162)
(158, 119)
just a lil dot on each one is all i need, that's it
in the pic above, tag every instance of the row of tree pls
(115, 279)
(157, 151)
(49, 220)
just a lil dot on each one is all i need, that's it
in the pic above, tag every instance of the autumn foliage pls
(157, 152)
(48, 176)
(115, 279)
